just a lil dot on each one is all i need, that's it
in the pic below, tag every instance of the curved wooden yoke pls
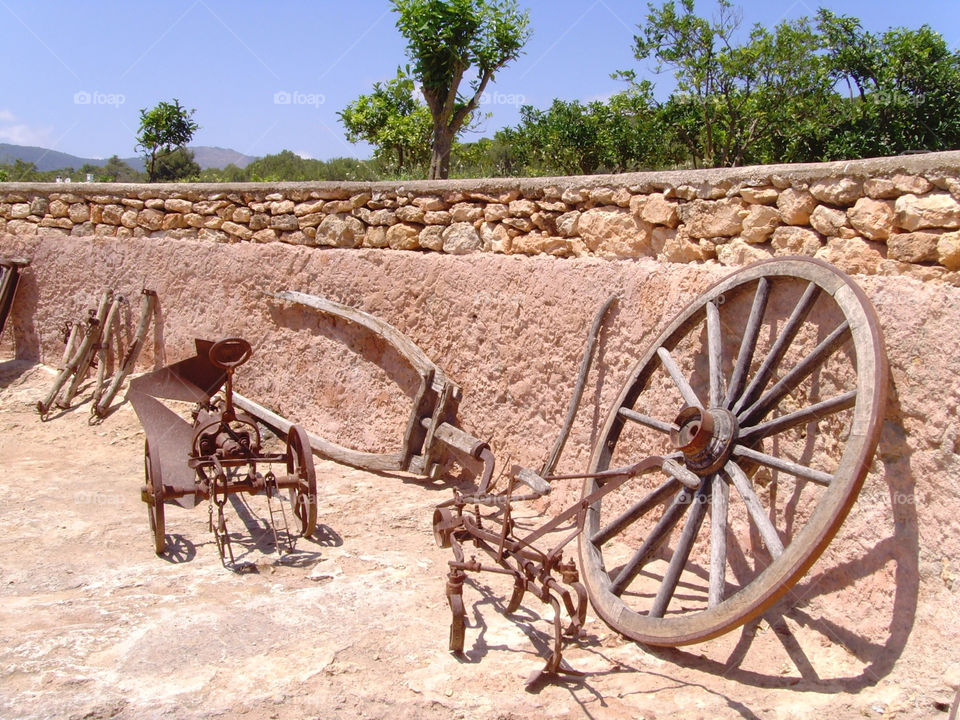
(430, 428)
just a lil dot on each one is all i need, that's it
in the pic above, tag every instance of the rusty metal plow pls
(533, 570)
(220, 453)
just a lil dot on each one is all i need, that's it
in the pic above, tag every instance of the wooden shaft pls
(71, 346)
(585, 363)
(90, 344)
(147, 303)
(46, 403)
(104, 348)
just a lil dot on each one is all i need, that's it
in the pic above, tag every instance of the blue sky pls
(270, 76)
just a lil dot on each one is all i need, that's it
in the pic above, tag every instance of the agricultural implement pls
(726, 465)
(93, 340)
(221, 452)
(760, 405)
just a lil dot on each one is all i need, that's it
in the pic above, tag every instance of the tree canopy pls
(165, 129)
(394, 121)
(445, 39)
(774, 97)
(903, 89)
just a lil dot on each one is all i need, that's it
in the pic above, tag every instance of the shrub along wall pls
(896, 215)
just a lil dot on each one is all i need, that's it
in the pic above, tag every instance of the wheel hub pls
(705, 437)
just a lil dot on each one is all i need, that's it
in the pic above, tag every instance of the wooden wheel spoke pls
(798, 417)
(787, 466)
(689, 396)
(638, 509)
(749, 342)
(780, 345)
(719, 504)
(652, 543)
(714, 353)
(795, 376)
(645, 420)
(755, 509)
(678, 561)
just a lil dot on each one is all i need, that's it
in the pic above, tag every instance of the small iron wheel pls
(300, 464)
(768, 394)
(154, 500)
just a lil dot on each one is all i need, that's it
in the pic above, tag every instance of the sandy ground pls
(354, 623)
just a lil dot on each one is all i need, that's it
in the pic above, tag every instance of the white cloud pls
(21, 134)
(304, 155)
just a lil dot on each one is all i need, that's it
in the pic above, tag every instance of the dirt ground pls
(354, 623)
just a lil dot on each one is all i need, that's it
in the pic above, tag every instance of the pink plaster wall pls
(510, 331)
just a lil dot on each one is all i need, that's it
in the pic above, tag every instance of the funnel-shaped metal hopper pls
(169, 436)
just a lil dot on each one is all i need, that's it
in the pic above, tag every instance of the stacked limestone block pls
(886, 216)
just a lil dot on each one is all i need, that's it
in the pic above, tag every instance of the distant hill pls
(46, 159)
(219, 158)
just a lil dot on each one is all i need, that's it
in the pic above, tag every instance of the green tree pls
(231, 173)
(287, 165)
(486, 157)
(177, 165)
(94, 171)
(24, 171)
(903, 89)
(116, 170)
(736, 103)
(624, 133)
(445, 38)
(164, 129)
(393, 121)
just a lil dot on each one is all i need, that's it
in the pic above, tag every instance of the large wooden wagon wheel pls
(768, 391)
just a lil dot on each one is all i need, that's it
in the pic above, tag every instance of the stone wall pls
(889, 216)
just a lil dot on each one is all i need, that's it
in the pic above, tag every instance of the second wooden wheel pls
(768, 393)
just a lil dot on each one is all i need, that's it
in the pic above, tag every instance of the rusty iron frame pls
(220, 453)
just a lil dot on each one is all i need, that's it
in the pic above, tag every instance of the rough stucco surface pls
(510, 331)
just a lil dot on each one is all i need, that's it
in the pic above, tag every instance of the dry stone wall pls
(888, 216)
